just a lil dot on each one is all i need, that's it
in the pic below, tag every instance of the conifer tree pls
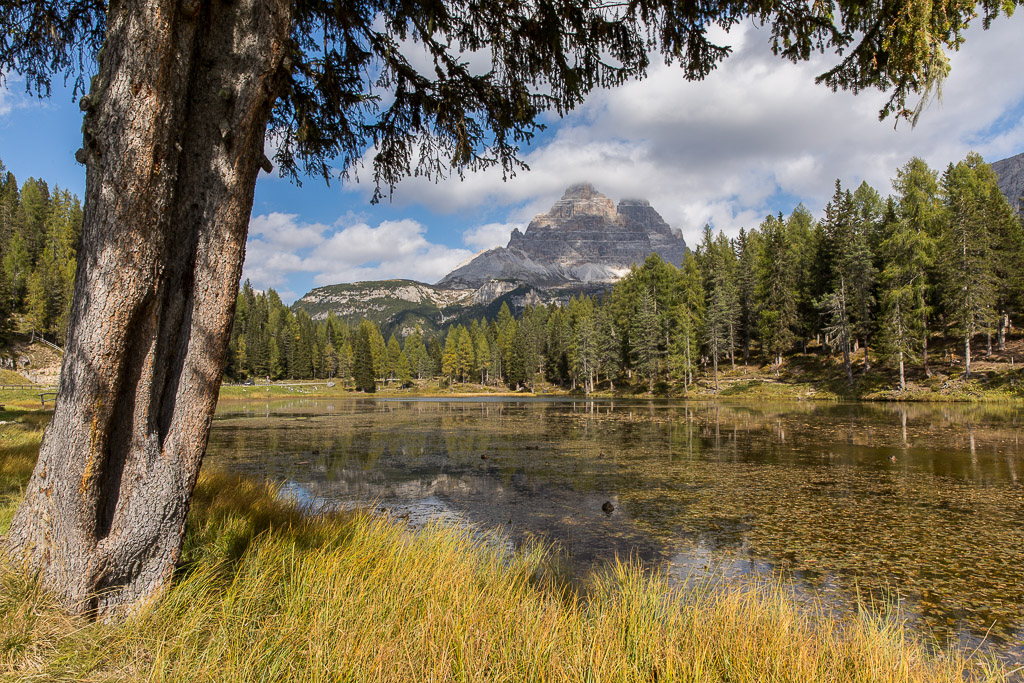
(403, 371)
(689, 316)
(800, 229)
(483, 357)
(918, 212)
(858, 261)
(609, 345)
(393, 351)
(450, 359)
(583, 343)
(362, 359)
(415, 352)
(966, 248)
(346, 362)
(748, 256)
(645, 338)
(465, 354)
(776, 298)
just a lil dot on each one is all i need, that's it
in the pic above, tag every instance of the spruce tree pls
(362, 359)
(748, 248)
(966, 248)
(800, 229)
(918, 213)
(645, 338)
(776, 295)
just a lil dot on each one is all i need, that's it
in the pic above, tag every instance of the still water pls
(920, 504)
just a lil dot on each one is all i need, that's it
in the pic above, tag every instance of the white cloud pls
(280, 245)
(725, 150)
(11, 92)
(491, 235)
(282, 230)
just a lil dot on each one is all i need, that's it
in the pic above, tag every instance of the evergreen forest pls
(40, 232)
(875, 277)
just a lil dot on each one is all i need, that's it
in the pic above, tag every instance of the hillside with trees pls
(875, 284)
(871, 284)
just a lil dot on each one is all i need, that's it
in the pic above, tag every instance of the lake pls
(920, 504)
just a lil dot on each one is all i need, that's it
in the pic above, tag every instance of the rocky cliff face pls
(583, 239)
(1011, 179)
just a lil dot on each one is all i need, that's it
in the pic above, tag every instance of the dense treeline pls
(878, 277)
(943, 256)
(40, 231)
(270, 340)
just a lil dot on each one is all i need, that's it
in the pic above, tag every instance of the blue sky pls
(756, 137)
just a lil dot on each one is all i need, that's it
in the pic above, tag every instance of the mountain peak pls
(580, 191)
(584, 238)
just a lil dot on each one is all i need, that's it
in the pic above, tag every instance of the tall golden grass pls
(264, 593)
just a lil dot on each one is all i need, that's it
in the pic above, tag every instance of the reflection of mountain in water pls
(516, 503)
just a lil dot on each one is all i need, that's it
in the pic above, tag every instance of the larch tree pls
(906, 257)
(183, 98)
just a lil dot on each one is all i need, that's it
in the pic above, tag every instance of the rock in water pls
(583, 238)
(608, 508)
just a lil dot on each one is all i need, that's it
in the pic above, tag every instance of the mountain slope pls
(1011, 179)
(583, 239)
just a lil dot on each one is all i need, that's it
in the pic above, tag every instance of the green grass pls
(11, 377)
(20, 435)
(266, 593)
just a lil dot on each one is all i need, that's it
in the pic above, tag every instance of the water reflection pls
(920, 502)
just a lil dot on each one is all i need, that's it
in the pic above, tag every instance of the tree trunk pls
(173, 144)
(903, 380)
(846, 360)
(1001, 336)
(924, 348)
(967, 354)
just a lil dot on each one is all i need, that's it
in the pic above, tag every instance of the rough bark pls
(174, 135)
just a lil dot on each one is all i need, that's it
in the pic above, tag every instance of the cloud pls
(280, 245)
(490, 235)
(754, 138)
(283, 230)
(9, 98)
